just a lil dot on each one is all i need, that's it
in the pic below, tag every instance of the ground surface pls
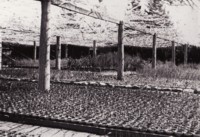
(141, 109)
(132, 78)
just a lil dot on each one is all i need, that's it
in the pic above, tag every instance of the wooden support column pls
(58, 53)
(185, 54)
(1, 49)
(44, 54)
(120, 73)
(34, 51)
(154, 52)
(173, 53)
(94, 49)
(94, 53)
(66, 51)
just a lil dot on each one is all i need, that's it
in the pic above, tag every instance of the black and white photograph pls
(99, 68)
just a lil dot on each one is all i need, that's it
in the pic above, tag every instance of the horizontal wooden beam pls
(90, 13)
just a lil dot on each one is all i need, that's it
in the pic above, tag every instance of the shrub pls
(107, 61)
(103, 61)
(168, 70)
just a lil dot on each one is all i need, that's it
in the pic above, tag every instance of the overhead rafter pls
(90, 13)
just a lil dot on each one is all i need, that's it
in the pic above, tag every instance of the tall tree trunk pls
(44, 53)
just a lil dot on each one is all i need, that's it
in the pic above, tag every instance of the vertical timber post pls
(173, 53)
(120, 73)
(34, 51)
(185, 54)
(58, 53)
(1, 49)
(94, 52)
(66, 51)
(94, 49)
(44, 54)
(154, 52)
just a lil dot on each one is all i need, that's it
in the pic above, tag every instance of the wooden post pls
(154, 52)
(94, 49)
(44, 54)
(94, 53)
(1, 52)
(120, 73)
(173, 53)
(185, 54)
(66, 51)
(58, 53)
(34, 51)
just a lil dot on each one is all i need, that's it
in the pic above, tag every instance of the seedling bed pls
(103, 107)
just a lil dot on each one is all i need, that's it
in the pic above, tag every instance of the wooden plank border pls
(112, 131)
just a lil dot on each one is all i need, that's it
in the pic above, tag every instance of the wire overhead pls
(96, 15)
(90, 13)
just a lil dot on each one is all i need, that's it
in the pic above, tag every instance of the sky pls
(186, 20)
(114, 8)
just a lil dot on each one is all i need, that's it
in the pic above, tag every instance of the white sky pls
(186, 20)
(115, 8)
